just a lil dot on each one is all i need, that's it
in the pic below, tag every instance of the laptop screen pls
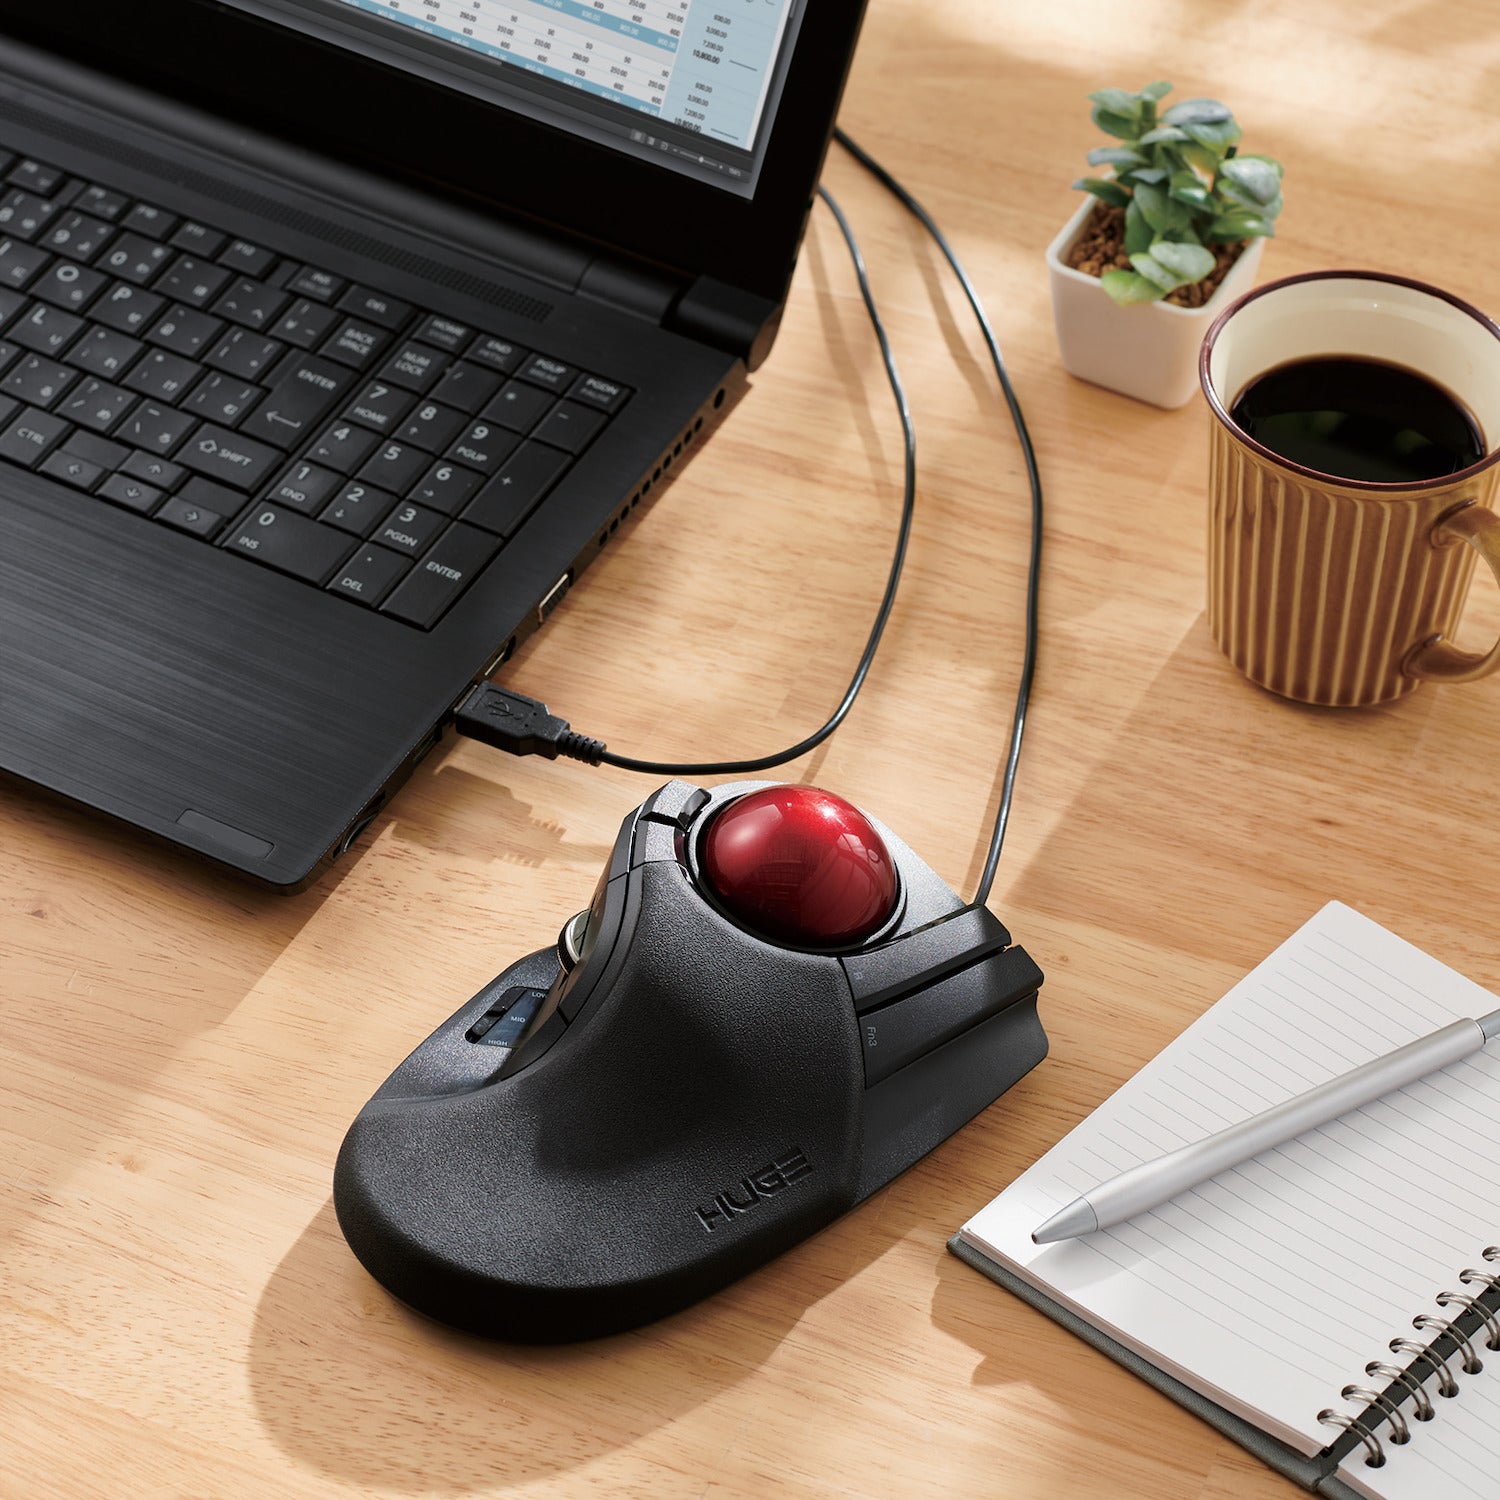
(691, 85)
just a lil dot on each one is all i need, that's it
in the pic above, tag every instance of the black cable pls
(1034, 479)
(523, 726)
(893, 579)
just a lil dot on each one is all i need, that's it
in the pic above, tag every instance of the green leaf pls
(1204, 160)
(1164, 133)
(1155, 91)
(1128, 286)
(1159, 211)
(1116, 156)
(1152, 176)
(1138, 233)
(1196, 112)
(1240, 224)
(1230, 198)
(1123, 126)
(1103, 188)
(1117, 102)
(1217, 137)
(1253, 175)
(1186, 187)
(1156, 272)
(1188, 262)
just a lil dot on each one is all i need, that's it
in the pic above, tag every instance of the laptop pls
(336, 339)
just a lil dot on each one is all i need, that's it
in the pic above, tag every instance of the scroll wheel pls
(572, 940)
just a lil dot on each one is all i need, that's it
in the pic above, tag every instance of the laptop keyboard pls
(289, 416)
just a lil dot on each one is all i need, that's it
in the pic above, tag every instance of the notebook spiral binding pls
(1448, 1340)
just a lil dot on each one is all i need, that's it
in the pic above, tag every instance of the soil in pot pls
(1101, 247)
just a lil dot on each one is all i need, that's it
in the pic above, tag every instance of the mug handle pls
(1436, 660)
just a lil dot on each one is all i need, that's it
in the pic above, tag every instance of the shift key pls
(237, 461)
(443, 574)
(290, 543)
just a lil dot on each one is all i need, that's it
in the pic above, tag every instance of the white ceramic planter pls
(1148, 350)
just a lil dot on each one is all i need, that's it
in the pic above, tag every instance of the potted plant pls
(1159, 246)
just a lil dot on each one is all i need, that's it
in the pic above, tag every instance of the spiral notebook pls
(1329, 1304)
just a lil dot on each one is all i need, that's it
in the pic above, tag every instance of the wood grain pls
(182, 1055)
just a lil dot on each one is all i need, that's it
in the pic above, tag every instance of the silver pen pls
(1154, 1182)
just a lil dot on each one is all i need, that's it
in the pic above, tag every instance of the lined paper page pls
(1270, 1287)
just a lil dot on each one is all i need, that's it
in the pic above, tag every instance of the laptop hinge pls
(727, 318)
(628, 288)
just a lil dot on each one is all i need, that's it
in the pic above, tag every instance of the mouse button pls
(619, 856)
(899, 1033)
(880, 975)
(655, 842)
(614, 908)
(678, 803)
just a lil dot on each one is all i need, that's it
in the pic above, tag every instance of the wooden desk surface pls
(182, 1055)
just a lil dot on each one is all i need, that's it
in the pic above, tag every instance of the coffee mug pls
(1330, 589)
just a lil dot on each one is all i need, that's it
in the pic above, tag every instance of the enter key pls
(305, 392)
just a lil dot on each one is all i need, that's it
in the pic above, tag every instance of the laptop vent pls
(532, 308)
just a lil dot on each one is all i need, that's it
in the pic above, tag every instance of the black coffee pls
(1359, 419)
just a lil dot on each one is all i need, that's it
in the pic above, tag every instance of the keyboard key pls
(343, 447)
(155, 223)
(452, 564)
(305, 324)
(251, 304)
(156, 429)
(306, 390)
(25, 215)
(246, 258)
(95, 449)
(130, 493)
(162, 375)
(321, 286)
(185, 332)
(290, 543)
(229, 457)
(197, 239)
(305, 487)
(45, 329)
(358, 508)
(433, 427)
(485, 446)
(134, 259)
(498, 354)
(31, 436)
(367, 577)
(68, 286)
(445, 333)
(152, 470)
(467, 387)
(102, 202)
(356, 344)
(19, 262)
(186, 515)
(38, 381)
(374, 306)
(78, 236)
(409, 528)
(222, 398)
(78, 472)
(35, 176)
(507, 499)
(594, 390)
(8, 354)
(394, 467)
(519, 407)
(415, 368)
(551, 373)
(569, 426)
(101, 351)
(128, 309)
(192, 280)
(447, 487)
(380, 406)
(10, 304)
(244, 353)
(96, 405)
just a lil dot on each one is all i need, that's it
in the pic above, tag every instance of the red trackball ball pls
(800, 866)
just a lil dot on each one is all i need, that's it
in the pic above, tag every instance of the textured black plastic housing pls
(689, 1101)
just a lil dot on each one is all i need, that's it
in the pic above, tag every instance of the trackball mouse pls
(768, 1010)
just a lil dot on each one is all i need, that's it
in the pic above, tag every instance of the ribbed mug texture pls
(1318, 591)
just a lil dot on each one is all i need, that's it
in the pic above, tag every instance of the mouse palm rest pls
(588, 1145)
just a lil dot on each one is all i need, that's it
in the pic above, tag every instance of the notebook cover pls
(1311, 1473)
